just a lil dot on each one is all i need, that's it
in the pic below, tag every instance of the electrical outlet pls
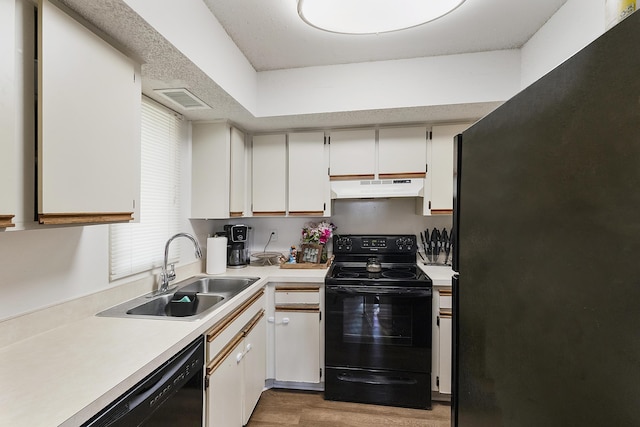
(274, 235)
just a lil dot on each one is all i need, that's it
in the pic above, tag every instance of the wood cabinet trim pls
(407, 175)
(274, 213)
(444, 313)
(306, 213)
(297, 288)
(217, 329)
(236, 214)
(224, 353)
(302, 308)
(445, 292)
(350, 177)
(6, 221)
(252, 323)
(84, 218)
(441, 211)
(227, 349)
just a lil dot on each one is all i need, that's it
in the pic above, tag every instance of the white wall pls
(383, 216)
(441, 80)
(455, 79)
(574, 26)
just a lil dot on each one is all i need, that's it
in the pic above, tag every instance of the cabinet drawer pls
(446, 299)
(224, 331)
(297, 295)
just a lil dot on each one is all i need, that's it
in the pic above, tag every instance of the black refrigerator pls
(547, 249)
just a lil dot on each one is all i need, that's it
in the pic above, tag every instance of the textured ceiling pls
(271, 36)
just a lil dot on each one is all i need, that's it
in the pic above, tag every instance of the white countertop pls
(66, 375)
(440, 274)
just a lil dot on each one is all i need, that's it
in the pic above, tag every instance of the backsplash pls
(381, 216)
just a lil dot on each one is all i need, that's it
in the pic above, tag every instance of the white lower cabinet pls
(236, 368)
(255, 371)
(224, 392)
(442, 341)
(298, 346)
(297, 334)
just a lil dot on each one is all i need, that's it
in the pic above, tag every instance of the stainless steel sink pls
(162, 306)
(210, 292)
(218, 285)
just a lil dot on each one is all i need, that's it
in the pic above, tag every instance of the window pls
(138, 247)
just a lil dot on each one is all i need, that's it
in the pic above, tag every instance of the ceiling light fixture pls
(372, 16)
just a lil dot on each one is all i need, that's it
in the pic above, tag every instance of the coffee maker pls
(237, 252)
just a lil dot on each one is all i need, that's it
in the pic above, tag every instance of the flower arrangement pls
(318, 233)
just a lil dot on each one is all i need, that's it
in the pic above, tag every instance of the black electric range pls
(378, 322)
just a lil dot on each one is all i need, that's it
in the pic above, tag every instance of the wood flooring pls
(302, 408)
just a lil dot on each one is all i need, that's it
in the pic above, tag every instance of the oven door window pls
(378, 330)
(379, 320)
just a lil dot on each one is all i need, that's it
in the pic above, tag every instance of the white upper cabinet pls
(308, 177)
(8, 172)
(402, 152)
(210, 170)
(238, 193)
(353, 154)
(269, 175)
(88, 124)
(218, 171)
(440, 172)
(397, 153)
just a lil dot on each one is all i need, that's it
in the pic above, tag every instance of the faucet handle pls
(171, 273)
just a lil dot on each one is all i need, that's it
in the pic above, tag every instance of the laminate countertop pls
(63, 376)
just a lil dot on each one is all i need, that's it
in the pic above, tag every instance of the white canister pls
(216, 255)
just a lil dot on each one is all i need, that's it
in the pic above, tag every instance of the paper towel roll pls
(216, 255)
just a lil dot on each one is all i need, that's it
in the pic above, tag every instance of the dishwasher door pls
(172, 395)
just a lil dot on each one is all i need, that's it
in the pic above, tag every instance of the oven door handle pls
(373, 379)
(379, 290)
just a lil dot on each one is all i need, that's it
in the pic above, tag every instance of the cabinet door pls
(440, 160)
(297, 345)
(402, 152)
(224, 392)
(89, 102)
(444, 358)
(352, 154)
(308, 178)
(237, 194)
(210, 166)
(8, 171)
(255, 365)
(269, 174)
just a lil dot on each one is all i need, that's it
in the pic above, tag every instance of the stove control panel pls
(362, 244)
(342, 244)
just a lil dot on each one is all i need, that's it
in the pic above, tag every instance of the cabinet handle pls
(239, 357)
(249, 347)
(285, 320)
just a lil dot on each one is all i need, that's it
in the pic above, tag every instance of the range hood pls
(377, 188)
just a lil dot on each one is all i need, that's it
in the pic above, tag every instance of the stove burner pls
(398, 274)
(348, 275)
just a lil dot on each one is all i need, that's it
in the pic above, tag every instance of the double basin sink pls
(190, 299)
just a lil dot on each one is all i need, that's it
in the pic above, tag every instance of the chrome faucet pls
(169, 274)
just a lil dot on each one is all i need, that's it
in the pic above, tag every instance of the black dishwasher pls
(172, 395)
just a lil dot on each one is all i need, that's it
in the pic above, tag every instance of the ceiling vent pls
(183, 98)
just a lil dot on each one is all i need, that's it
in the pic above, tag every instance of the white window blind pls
(138, 247)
